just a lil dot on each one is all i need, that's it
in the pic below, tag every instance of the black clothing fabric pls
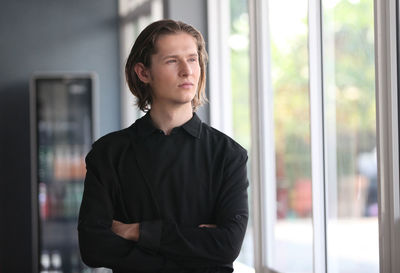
(170, 184)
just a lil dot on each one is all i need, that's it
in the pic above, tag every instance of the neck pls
(166, 118)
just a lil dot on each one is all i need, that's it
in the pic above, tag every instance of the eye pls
(194, 59)
(170, 61)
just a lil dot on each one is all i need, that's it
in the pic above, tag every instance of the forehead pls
(179, 43)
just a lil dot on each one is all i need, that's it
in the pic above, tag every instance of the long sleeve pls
(99, 246)
(194, 176)
(194, 246)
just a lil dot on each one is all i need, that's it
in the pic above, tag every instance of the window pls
(350, 136)
(314, 138)
(239, 77)
(291, 223)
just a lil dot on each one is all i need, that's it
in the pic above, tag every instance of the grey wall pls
(193, 12)
(46, 35)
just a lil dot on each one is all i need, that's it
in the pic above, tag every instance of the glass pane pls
(350, 136)
(292, 231)
(240, 61)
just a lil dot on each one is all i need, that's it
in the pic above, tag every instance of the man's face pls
(175, 70)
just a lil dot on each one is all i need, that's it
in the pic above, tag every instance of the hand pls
(127, 231)
(208, 226)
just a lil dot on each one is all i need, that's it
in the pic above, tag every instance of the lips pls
(186, 85)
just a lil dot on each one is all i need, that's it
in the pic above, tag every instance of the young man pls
(168, 193)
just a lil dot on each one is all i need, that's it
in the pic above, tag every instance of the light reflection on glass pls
(292, 237)
(350, 136)
(240, 84)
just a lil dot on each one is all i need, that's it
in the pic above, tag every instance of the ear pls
(142, 72)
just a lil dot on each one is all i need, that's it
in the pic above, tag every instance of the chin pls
(183, 101)
(188, 97)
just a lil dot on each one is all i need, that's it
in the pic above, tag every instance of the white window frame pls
(219, 66)
(386, 78)
(141, 13)
(263, 143)
(317, 134)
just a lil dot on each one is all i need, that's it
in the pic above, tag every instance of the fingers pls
(127, 231)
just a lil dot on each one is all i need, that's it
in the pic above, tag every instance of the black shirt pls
(170, 184)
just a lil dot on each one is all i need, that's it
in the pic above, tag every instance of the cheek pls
(197, 71)
(161, 75)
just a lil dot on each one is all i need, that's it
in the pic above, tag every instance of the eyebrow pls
(176, 56)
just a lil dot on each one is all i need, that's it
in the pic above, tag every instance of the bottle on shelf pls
(56, 262)
(43, 201)
(45, 262)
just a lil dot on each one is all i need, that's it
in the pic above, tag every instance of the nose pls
(185, 69)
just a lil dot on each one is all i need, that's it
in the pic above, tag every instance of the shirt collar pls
(192, 126)
(145, 125)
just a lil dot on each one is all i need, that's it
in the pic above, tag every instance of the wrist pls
(133, 232)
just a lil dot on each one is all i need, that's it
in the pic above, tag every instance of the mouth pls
(186, 85)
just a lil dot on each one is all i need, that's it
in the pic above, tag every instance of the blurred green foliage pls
(348, 44)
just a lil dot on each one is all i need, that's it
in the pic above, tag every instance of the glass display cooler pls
(62, 128)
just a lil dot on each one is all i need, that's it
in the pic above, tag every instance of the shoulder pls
(113, 139)
(222, 142)
(111, 145)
